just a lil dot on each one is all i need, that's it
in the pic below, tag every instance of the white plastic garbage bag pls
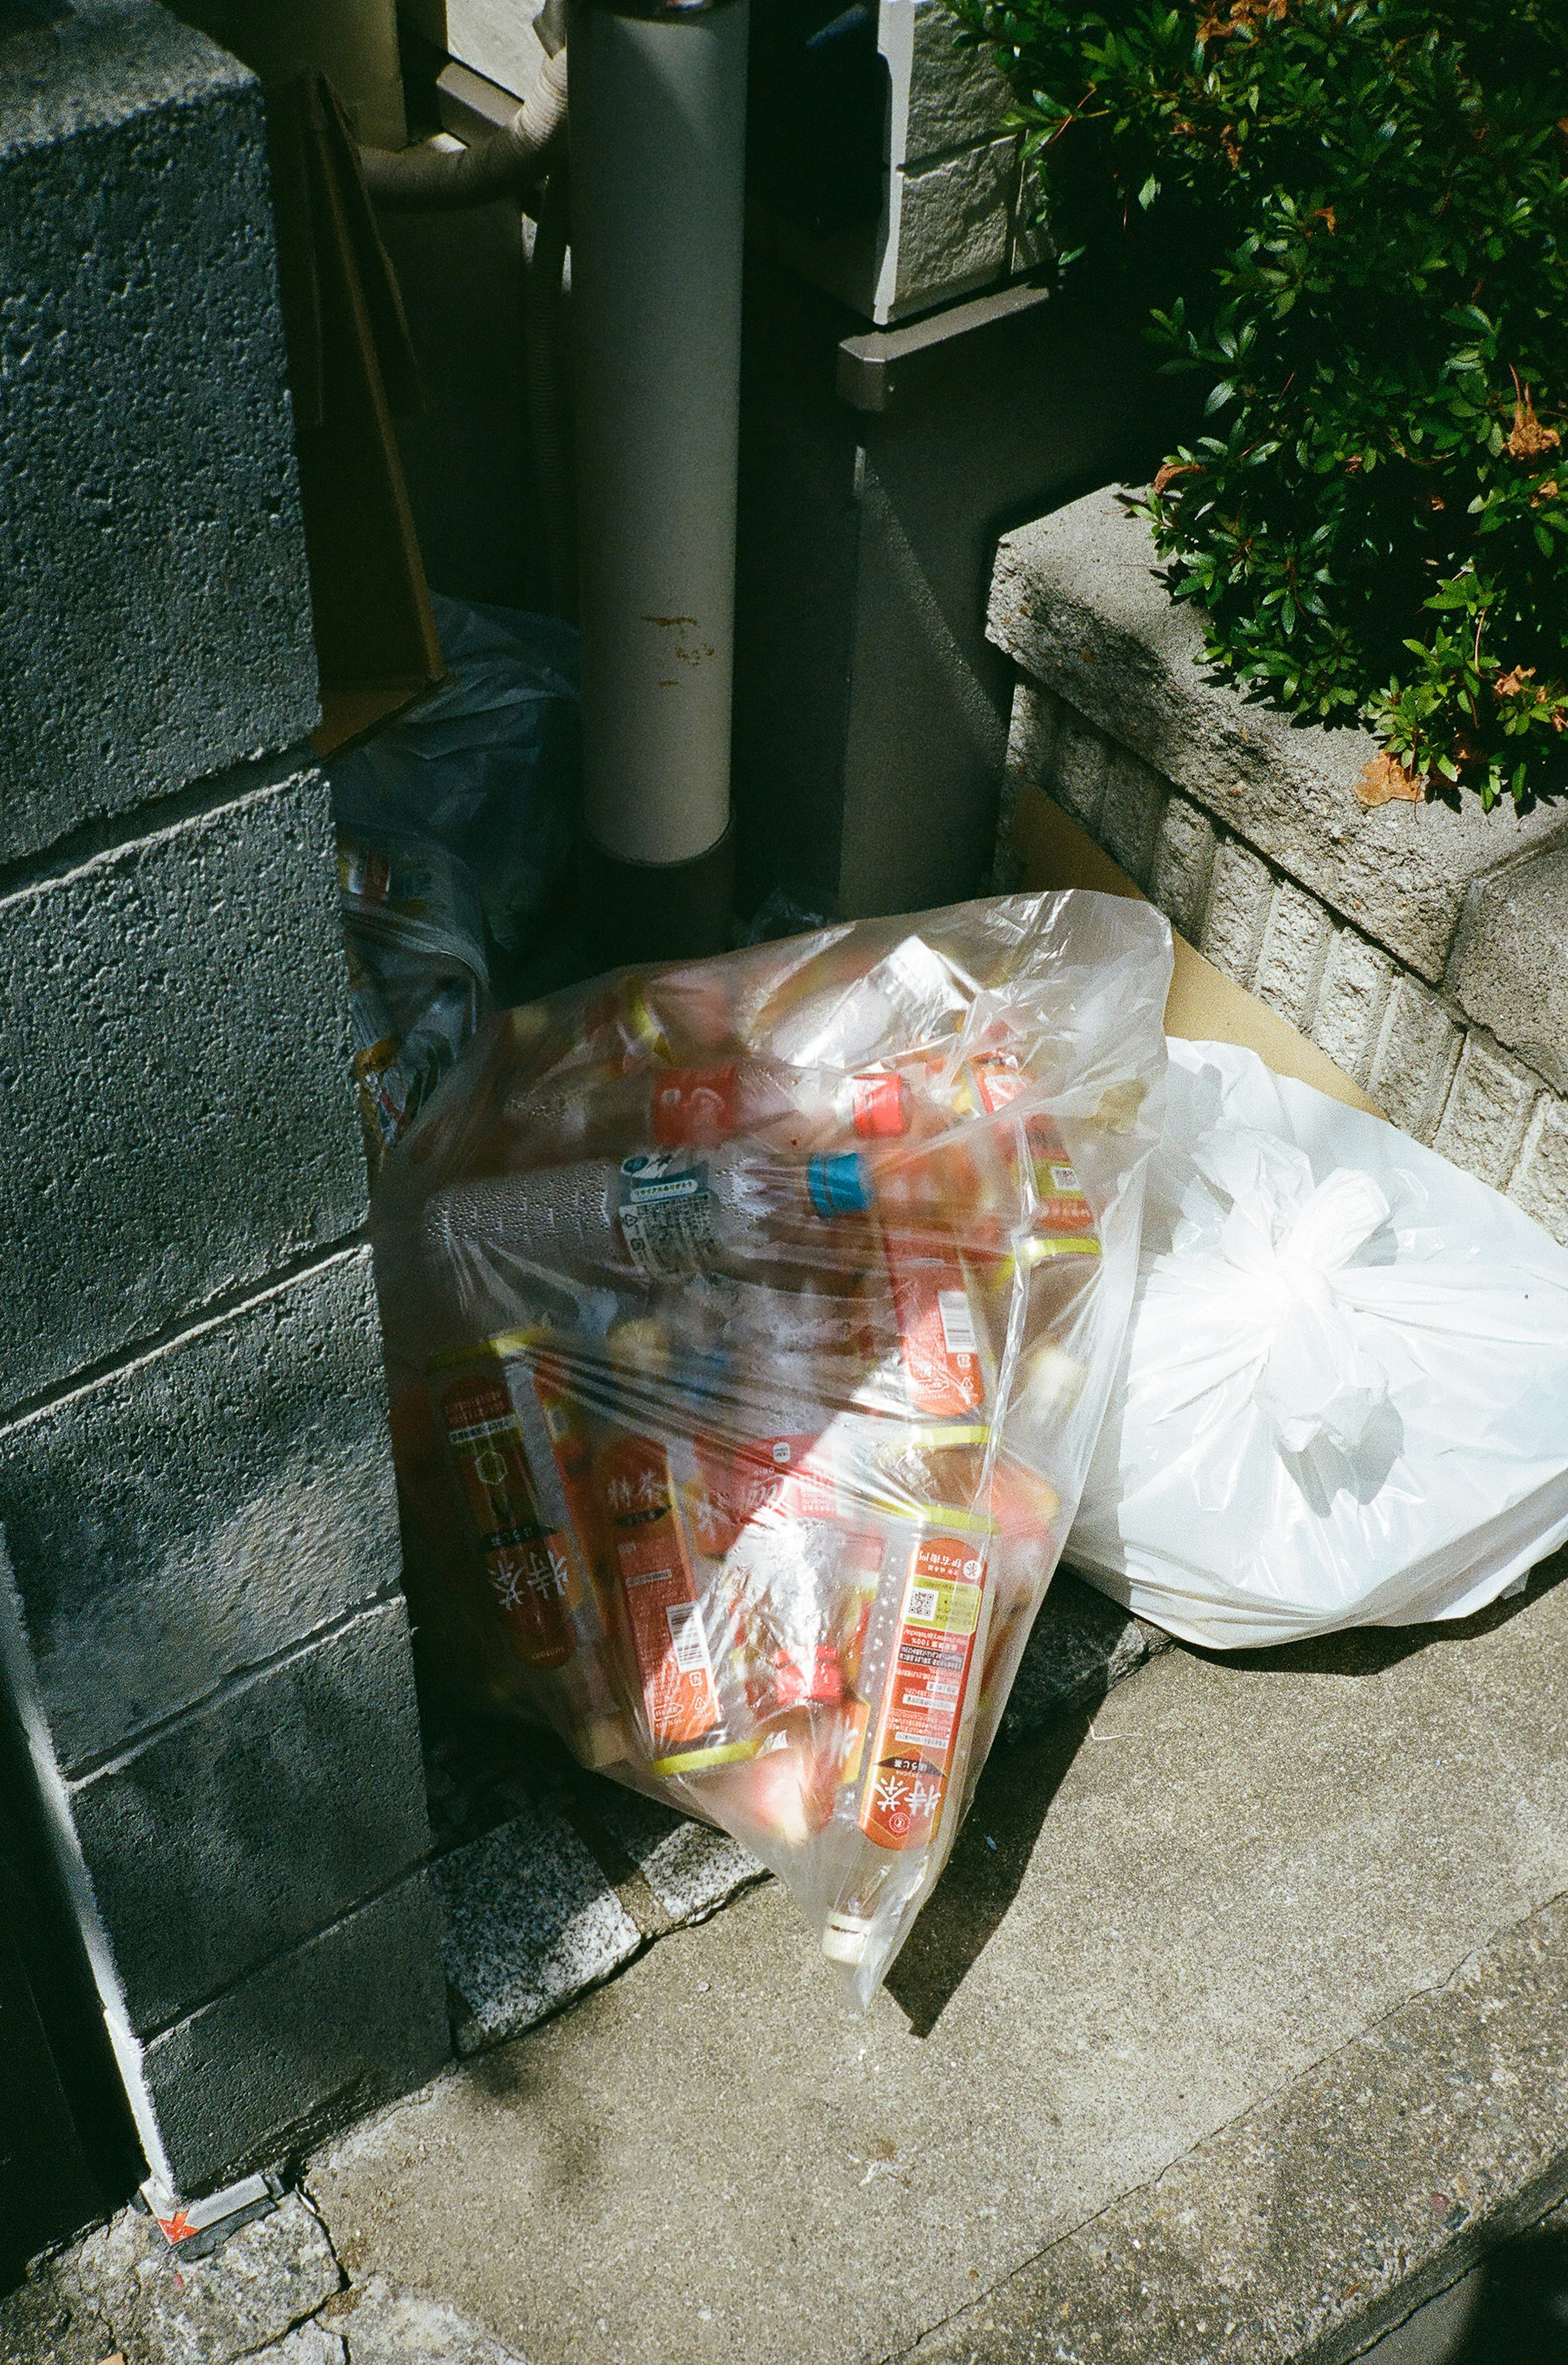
(1344, 1395)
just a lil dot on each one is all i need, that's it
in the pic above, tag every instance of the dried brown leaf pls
(1385, 778)
(1169, 470)
(1529, 438)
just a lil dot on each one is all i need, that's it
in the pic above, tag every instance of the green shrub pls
(1351, 215)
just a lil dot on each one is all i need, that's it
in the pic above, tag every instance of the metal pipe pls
(431, 177)
(657, 130)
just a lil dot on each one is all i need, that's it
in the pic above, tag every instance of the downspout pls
(658, 155)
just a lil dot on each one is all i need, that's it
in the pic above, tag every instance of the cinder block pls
(351, 2019)
(158, 614)
(1352, 998)
(956, 96)
(1032, 243)
(1031, 732)
(174, 1086)
(1079, 600)
(1487, 1112)
(1539, 1183)
(1296, 937)
(1077, 765)
(1240, 893)
(1130, 811)
(1183, 864)
(241, 1829)
(953, 222)
(1413, 1066)
(1510, 968)
(195, 1513)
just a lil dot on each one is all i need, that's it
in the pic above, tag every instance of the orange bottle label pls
(665, 1614)
(911, 1756)
(937, 1327)
(528, 1563)
(772, 1477)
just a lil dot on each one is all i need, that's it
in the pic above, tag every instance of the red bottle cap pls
(878, 1106)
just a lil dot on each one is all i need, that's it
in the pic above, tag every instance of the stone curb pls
(1447, 2126)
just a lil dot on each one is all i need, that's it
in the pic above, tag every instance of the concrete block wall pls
(956, 211)
(1424, 947)
(200, 1612)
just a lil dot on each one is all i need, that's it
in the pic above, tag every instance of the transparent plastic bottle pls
(659, 1215)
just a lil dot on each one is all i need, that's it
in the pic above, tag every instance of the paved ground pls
(1240, 2028)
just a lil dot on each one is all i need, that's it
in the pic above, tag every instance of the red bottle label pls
(665, 1616)
(911, 1756)
(528, 1563)
(943, 1370)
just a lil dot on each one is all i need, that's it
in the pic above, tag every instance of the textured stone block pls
(1511, 960)
(1076, 599)
(1487, 1112)
(152, 557)
(1352, 996)
(1415, 1059)
(1032, 243)
(956, 96)
(952, 222)
(240, 1830)
(1539, 1183)
(166, 2308)
(1130, 811)
(354, 2017)
(1079, 758)
(1240, 898)
(1031, 732)
(197, 1512)
(173, 1083)
(529, 1921)
(1296, 937)
(1183, 864)
(691, 1869)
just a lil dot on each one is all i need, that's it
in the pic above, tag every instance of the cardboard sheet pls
(1205, 1007)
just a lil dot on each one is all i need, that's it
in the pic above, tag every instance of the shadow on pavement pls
(1367, 1650)
(1519, 2313)
(986, 1869)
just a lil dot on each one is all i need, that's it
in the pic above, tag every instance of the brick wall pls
(200, 1614)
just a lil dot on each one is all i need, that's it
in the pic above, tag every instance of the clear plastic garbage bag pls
(749, 1326)
(1343, 1397)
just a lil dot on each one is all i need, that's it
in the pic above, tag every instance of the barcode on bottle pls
(688, 1644)
(923, 1602)
(957, 1322)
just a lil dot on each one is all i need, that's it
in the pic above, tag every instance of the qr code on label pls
(922, 1601)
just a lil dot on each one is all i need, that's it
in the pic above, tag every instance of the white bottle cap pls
(847, 1938)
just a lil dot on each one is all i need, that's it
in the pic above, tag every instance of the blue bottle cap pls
(837, 1184)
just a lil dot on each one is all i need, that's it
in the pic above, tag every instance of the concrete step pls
(1238, 2029)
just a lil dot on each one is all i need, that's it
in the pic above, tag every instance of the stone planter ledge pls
(1424, 949)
